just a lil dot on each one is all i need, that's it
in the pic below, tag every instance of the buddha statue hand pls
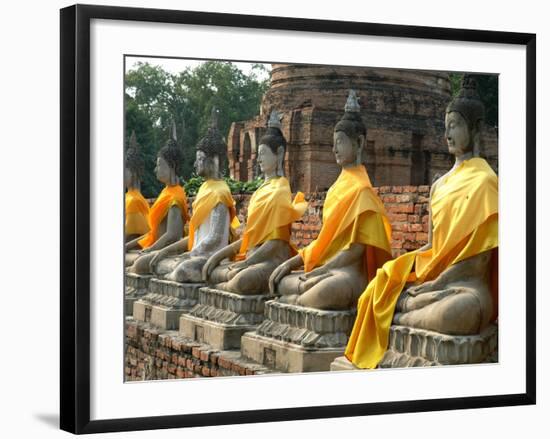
(214, 261)
(281, 271)
(320, 271)
(425, 287)
(157, 257)
(236, 268)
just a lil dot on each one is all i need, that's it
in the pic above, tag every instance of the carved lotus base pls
(409, 347)
(298, 339)
(137, 286)
(165, 302)
(221, 318)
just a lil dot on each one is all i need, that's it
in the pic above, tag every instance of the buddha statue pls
(169, 212)
(213, 221)
(449, 285)
(136, 206)
(354, 239)
(265, 243)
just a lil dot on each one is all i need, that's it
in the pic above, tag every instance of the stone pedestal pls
(165, 302)
(221, 318)
(418, 347)
(137, 286)
(298, 339)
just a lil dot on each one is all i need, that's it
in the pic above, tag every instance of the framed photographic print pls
(274, 218)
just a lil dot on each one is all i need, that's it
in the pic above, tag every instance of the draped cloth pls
(210, 194)
(464, 209)
(270, 214)
(170, 196)
(137, 212)
(352, 213)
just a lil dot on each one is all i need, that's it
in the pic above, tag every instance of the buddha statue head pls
(464, 119)
(211, 154)
(133, 164)
(271, 151)
(350, 134)
(169, 160)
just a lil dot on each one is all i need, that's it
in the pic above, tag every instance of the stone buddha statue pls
(136, 206)
(169, 212)
(449, 285)
(354, 239)
(213, 221)
(265, 243)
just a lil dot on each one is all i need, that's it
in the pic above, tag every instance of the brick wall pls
(407, 208)
(154, 354)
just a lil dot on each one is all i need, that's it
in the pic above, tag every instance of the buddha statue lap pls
(449, 285)
(169, 212)
(355, 236)
(266, 239)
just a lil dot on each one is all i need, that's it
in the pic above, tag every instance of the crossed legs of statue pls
(130, 257)
(337, 289)
(188, 270)
(252, 280)
(462, 306)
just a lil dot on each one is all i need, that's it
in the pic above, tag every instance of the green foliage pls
(487, 86)
(193, 184)
(155, 97)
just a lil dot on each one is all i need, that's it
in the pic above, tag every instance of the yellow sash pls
(269, 210)
(211, 193)
(137, 211)
(352, 213)
(465, 223)
(170, 196)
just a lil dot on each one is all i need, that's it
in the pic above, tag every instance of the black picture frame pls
(75, 217)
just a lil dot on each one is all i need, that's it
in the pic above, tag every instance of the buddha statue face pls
(205, 166)
(164, 172)
(268, 160)
(457, 134)
(345, 149)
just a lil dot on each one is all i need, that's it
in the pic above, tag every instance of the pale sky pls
(176, 65)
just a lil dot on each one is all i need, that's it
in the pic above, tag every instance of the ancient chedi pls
(405, 144)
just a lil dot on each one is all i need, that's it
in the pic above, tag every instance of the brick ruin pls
(403, 111)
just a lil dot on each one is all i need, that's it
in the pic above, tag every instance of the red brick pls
(416, 227)
(410, 188)
(205, 371)
(196, 352)
(204, 355)
(397, 189)
(421, 236)
(180, 372)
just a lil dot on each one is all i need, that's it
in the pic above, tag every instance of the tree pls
(155, 98)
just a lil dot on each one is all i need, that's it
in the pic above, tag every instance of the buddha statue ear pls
(216, 166)
(360, 147)
(173, 177)
(476, 137)
(280, 160)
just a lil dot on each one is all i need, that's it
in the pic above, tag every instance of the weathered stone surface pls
(136, 286)
(287, 357)
(298, 339)
(220, 318)
(419, 347)
(307, 327)
(165, 302)
(229, 308)
(410, 347)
